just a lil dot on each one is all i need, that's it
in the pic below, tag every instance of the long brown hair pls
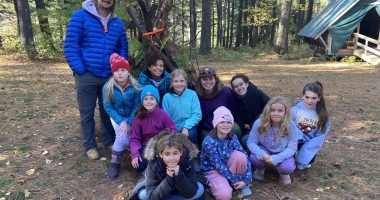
(201, 91)
(323, 115)
(266, 122)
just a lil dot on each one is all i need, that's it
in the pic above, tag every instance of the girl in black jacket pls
(170, 173)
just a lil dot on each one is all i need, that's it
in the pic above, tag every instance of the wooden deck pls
(363, 51)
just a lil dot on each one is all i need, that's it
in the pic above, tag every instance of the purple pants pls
(286, 167)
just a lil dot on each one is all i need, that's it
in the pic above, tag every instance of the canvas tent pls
(329, 29)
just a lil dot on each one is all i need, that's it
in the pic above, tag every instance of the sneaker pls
(93, 154)
(285, 179)
(113, 171)
(245, 191)
(259, 174)
(301, 167)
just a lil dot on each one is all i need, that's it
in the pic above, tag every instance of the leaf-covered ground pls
(41, 154)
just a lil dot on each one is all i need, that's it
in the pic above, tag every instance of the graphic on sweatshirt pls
(306, 125)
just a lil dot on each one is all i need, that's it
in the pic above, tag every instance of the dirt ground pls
(41, 154)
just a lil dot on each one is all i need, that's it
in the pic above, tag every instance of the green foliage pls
(297, 52)
(349, 59)
(182, 58)
(164, 40)
(136, 50)
(263, 14)
(224, 55)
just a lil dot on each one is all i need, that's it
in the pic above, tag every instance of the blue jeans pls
(89, 91)
(193, 135)
(143, 196)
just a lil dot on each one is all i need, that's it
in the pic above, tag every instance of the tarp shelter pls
(331, 27)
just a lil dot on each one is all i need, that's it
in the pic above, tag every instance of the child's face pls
(171, 156)
(239, 86)
(277, 113)
(121, 75)
(149, 103)
(179, 83)
(311, 99)
(223, 128)
(157, 69)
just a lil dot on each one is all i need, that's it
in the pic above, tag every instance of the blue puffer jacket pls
(122, 107)
(88, 47)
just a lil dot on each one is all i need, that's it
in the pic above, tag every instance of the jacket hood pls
(150, 149)
(90, 7)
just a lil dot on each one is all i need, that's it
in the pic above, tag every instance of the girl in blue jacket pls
(273, 140)
(121, 99)
(313, 122)
(155, 74)
(183, 106)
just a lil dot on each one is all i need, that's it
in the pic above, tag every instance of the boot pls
(113, 171)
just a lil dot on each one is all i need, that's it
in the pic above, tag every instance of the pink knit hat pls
(118, 62)
(222, 114)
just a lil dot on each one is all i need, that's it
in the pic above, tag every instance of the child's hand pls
(122, 129)
(135, 162)
(185, 131)
(268, 159)
(246, 126)
(239, 185)
(171, 171)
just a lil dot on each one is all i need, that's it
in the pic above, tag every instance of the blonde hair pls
(177, 72)
(266, 122)
(109, 96)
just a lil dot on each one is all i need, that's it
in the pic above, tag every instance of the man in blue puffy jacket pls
(93, 34)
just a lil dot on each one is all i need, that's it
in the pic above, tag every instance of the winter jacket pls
(145, 78)
(144, 129)
(208, 106)
(280, 147)
(159, 185)
(88, 46)
(184, 109)
(122, 106)
(249, 107)
(308, 131)
(215, 154)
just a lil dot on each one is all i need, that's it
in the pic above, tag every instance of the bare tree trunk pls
(273, 29)
(300, 19)
(309, 11)
(43, 21)
(254, 38)
(205, 47)
(239, 21)
(26, 31)
(219, 23)
(193, 24)
(283, 27)
(245, 28)
(228, 23)
(232, 24)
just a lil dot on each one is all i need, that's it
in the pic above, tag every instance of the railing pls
(365, 46)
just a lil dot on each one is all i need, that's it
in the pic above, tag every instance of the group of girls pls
(163, 135)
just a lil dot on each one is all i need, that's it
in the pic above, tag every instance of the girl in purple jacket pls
(149, 121)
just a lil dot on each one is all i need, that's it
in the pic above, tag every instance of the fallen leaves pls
(30, 172)
(47, 161)
(27, 193)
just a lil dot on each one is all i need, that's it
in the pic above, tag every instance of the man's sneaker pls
(301, 167)
(93, 154)
(245, 191)
(285, 179)
(259, 174)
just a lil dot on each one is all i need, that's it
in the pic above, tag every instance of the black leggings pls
(300, 144)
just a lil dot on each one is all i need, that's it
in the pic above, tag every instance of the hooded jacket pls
(184, 109)
(123, 106)
(144, 129)
(158, 184)
(249, 107)
(88, 46)
(145, 78)
(308, 131)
